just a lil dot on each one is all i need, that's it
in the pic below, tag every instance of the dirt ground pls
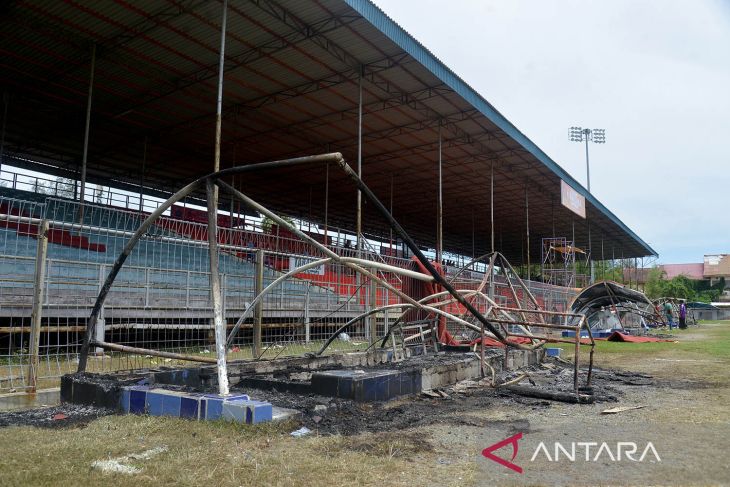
(684, 389)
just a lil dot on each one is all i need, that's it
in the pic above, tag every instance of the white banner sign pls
(295, 262)
(572, 200)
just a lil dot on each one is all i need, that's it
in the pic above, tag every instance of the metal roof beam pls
(291, 20)
(235, 61)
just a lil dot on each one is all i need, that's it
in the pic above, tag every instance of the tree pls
(681, 287)
(267, 224)
(61, 187)
(654, 287)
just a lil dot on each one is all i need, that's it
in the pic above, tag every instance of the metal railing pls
(161, 298)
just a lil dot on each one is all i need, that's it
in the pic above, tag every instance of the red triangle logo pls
(487, 452)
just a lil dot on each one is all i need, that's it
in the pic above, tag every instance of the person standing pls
(682, 315)
(668, 314)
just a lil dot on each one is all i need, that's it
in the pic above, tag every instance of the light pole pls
(597, 136)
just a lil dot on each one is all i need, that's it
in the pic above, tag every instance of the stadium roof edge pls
(379, 19)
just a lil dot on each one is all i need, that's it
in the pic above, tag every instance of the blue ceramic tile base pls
(377, 385)
(161, 402)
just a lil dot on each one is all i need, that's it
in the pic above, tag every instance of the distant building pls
(691, 271)
(717, 266)
(713, 268)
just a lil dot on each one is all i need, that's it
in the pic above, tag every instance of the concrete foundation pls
(359, 376)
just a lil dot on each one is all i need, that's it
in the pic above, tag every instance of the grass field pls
(224, 454)
(710, 338)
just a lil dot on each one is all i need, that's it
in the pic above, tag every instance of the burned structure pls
(151, 233)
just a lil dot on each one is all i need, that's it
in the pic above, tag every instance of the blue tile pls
(154, 402)
(171, 405)
(189, 407)
(213, 407)
(344, 387)
(259, 412)
(235, 411)
(394, 385)
(137, 399)
(237, 397)
(124, 400)
(369, 389)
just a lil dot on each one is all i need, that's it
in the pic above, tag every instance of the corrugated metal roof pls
(290, 89)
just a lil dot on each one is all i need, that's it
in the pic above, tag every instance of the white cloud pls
(654, 73)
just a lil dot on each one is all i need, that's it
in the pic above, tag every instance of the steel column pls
(36, 314)
(359, 163)
(259, 309)
(84, 160)
(141, 176)
(326, 200)
(6, 102)
(212, 191)
(491, 204)
(215, 291)
(440, 207)
(527, 227)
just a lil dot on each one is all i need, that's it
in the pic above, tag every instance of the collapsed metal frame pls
(628, 304)
(214, 181)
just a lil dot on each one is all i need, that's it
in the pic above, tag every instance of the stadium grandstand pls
(110, 107)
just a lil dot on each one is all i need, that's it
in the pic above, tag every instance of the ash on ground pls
(62, 416)
(449, 405)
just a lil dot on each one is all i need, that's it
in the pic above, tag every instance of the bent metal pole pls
(419, 255)
(152, 218)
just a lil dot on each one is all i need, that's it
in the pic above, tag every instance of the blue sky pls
(654, 73)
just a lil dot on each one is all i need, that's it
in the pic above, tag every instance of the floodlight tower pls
(597, 136)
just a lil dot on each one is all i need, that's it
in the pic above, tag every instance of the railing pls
(161, 297)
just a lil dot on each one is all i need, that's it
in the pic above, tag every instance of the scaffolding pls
(558, 261)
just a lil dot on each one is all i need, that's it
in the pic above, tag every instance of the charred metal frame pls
(493, 326)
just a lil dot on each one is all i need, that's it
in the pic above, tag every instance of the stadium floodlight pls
(597, 136)
(576, 134)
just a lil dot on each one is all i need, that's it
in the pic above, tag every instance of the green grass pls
(710, 339)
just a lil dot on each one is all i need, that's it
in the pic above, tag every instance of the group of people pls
(668, 312)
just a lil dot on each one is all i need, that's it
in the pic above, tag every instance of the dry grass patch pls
(217, 453)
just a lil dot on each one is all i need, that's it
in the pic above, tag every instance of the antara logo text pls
(576, 451)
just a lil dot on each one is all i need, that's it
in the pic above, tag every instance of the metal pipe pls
(219, 100)
(36, 314)
(141, 177)
(358, 223)
(84, 159)
(155, 353)
(439, 206)
(527, 227)
(215, 290)
(491, 204)
(6, 102)
(416, 250)
(326, 201)
(259, 309)
(390, 229)
(184, 192)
